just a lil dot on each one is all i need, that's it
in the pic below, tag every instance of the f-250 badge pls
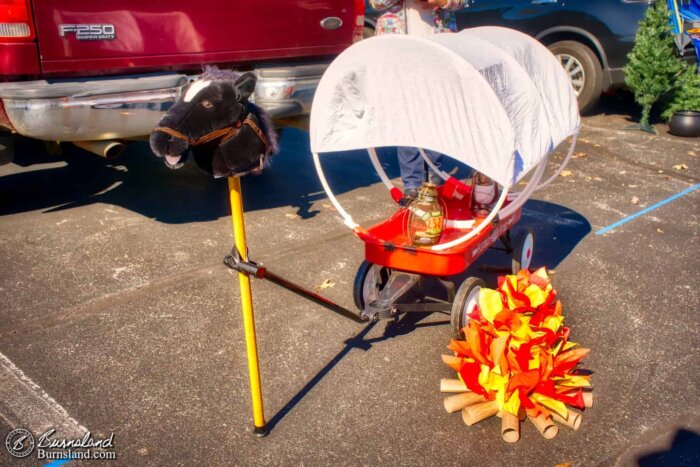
(88, 32)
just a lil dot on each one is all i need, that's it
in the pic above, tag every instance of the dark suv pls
(591, 37)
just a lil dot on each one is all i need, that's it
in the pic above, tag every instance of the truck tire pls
(584, 69)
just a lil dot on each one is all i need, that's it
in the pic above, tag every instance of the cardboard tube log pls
(572, 420)
(545, 426)
(460, 401)
(588, 399)
(476, 413)
(452, 385)
(522, 414)
(510, 427)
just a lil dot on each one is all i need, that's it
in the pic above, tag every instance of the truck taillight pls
(359, 26)
(16, 22)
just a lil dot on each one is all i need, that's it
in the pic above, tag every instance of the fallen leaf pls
(635, 200)
(692, 153)
(680, 167)
(291, 215)
(578, 155)
(596, 145)
(563, 464)
(566, 173)
(659, 230)
(327, 284)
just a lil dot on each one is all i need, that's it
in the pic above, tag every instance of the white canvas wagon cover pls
(493, 98)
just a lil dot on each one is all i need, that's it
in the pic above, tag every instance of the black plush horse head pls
(228, 135)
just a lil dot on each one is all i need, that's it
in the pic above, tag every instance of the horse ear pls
(245, 84)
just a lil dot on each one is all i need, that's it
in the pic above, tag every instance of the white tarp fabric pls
(515, 91)
(462, 95)
(546, 74)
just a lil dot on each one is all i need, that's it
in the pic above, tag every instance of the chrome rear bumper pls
(287, 91)
(96, 118)
(129, 107)
(93, 109)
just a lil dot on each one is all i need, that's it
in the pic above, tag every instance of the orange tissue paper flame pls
(516, 350)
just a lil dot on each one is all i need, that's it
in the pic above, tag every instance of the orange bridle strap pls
(224, 133)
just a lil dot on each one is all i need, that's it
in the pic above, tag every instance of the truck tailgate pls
(109, 36)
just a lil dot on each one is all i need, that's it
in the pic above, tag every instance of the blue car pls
(591, 37)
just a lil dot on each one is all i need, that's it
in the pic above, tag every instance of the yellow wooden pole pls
(234, 185)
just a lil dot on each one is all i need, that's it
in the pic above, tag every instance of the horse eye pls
(207, 104)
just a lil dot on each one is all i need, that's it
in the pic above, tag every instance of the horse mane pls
(266, 126)
(214, 73)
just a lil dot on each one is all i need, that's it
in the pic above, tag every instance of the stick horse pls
(229, 137)
(227, 134)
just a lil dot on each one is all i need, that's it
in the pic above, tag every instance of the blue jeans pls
(414, 170)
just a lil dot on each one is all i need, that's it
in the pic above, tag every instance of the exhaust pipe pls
(107, 149)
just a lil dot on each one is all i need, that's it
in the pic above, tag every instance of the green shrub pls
(686, 94)
(652, 65)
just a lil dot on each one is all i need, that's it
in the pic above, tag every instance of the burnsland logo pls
(45, 441)
(88, 32)
(88, 448)
(21, 443)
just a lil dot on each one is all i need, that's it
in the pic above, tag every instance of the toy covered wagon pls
(491, 98)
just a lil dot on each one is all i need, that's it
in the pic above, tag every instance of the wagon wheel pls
(369, 281)
(524, 246)
(466, 299)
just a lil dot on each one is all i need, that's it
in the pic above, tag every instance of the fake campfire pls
(517, 361)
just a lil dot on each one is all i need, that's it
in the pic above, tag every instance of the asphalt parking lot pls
(118, 315)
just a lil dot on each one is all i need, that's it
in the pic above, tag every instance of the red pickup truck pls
(87, 71)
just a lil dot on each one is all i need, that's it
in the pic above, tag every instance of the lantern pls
(426, 218)
(484, 193)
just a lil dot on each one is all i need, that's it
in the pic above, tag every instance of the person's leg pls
(411, 167)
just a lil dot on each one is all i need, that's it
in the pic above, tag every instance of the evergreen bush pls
(652, 64)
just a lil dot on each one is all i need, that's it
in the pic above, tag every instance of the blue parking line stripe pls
(646, 210)
(57, 463)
